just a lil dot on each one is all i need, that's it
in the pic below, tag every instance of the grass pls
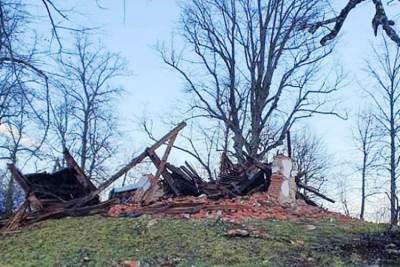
(101, 241)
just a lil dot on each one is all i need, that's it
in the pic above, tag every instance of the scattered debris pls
(238, 232)
(253, 189)
(52, 195)
(310, 227)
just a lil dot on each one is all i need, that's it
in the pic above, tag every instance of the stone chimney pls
(283, 185)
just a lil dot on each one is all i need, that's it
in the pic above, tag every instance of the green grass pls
(100, 241)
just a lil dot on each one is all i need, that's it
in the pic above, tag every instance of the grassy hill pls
(101, 241)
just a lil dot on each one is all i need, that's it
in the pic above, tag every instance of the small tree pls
(366, 138)
(384, 70)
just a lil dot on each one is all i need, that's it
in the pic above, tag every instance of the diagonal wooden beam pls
(164, 158)
(81, 176)
(31, 198)
(130, 165)
(168, 178)
(19, 177)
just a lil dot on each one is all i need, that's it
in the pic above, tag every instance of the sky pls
(153, 89)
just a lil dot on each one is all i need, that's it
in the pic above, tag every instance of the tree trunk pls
(393, 206)
(363, 174)
(84, 142)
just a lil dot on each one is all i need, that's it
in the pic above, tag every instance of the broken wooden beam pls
(81, 176)
(19, 177)
(142, 156)
(157, 162)
(136, 160)
(315, 191)
(164, 158)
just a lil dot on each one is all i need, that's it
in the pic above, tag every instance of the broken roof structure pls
(70, 191)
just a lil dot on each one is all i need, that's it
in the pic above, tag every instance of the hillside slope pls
(103, 241)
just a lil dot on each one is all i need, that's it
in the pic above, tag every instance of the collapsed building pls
(172, 190)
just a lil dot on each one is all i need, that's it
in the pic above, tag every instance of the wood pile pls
(50, 195)
(70, 192)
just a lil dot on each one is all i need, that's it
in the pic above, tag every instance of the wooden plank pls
(193, 170)
(154, 193)
(164, 158)
(82, 178)
(188, 173)
(15, 221)
(19, 177)
(141, 157)
(306, 199)
(315, 191)
(168, 178)
(180, 172)
(136, 160)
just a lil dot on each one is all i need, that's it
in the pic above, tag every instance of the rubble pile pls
(256, 206)
(252, 189)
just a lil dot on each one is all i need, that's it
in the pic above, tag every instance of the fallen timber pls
(45, 198)
(83, 198)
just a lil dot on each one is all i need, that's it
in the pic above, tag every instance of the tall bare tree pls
(85, 119)
(384, 70)
(366, 138)
(251, 68)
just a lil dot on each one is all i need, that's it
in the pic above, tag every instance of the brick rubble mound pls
(257, 206)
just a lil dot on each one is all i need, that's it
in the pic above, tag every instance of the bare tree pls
(16, 143)
(86, 111)
(384, 70)
(367, 140)
(252, 69)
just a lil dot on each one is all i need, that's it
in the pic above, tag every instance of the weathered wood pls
(157, 161)
(141, 157)
(193, 170)
(138, 159)
(14, 222)
(306, 199)
(180, 172)
(81, 176)
(154, 193)
(188, 173)
(164, 158)
(315, 191)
